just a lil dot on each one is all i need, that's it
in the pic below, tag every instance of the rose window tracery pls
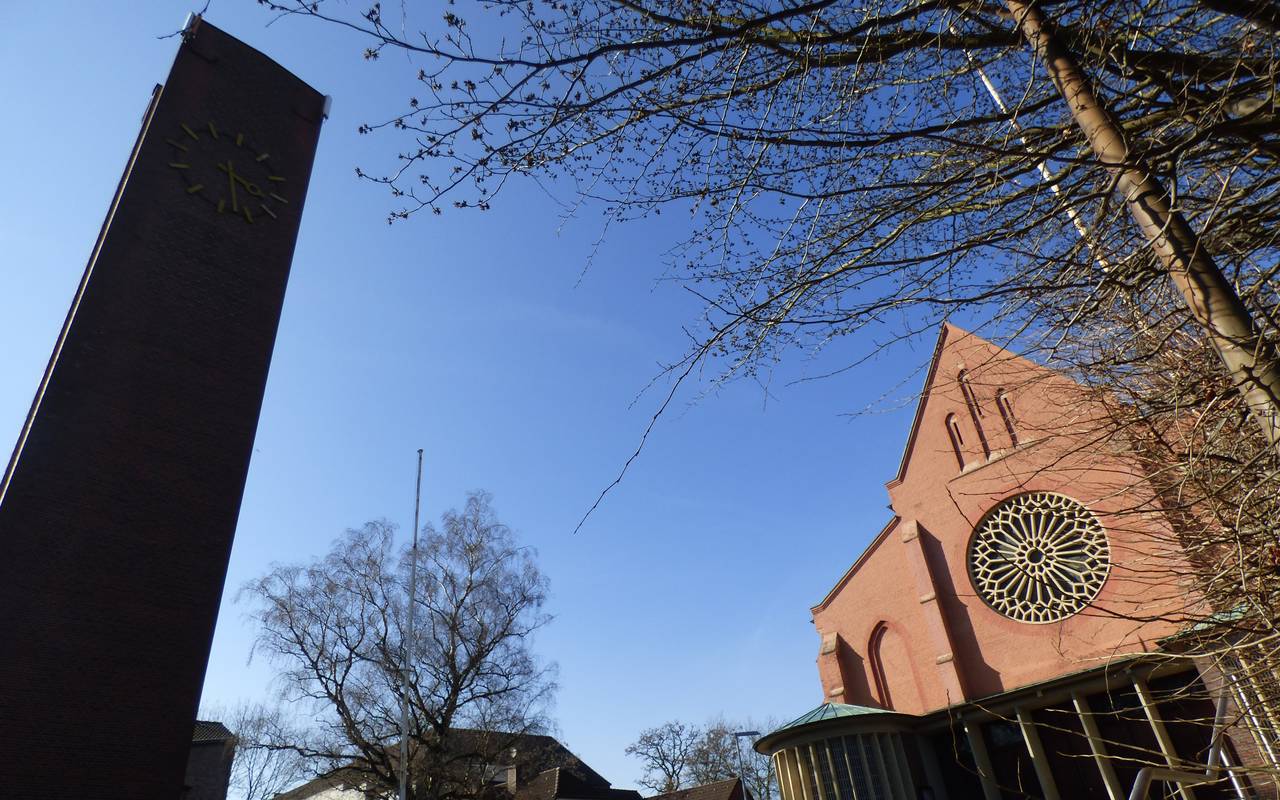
(1039, 557)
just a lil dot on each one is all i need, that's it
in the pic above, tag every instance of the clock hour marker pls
(263, 157)
(276, 178)
(178, 145)
(222, 205)
(213, 130)
(278, 197)
(269, 212)
(196, 188)
(190, 132)
(177, 165)
(239, 139)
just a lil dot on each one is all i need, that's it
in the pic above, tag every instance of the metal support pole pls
(1181, 778)
(982, 760)
(1098, 747)
(1039, 759)
(1161, 733)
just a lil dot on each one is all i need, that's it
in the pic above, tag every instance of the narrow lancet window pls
(878, 675)
(957, 440)
(975, 411)
(1006, 414)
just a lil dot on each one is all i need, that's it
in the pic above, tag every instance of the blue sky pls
(470, 335)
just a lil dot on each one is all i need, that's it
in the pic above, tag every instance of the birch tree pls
(337, 630)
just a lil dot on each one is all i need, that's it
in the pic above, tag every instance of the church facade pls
(1012, 631)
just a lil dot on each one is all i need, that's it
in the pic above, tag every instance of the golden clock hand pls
(251, 188)
(232, 178)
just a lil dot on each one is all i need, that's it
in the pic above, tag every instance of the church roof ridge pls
(943, 330)
(857, 562)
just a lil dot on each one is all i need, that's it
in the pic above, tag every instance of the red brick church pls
(1011, 630)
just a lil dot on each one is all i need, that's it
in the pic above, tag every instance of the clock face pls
(228, 171)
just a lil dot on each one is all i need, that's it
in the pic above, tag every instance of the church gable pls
(979, 403)
(995, 431)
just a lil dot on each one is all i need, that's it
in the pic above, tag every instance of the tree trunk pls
(1250, 360)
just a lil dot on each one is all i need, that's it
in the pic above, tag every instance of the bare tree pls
(666, 752)
(720, 755)
(336, 627)
(846, 168)
(677, 755)
(261, 769)
(715, 757)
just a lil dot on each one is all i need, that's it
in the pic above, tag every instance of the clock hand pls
(251, 188)
(232, 178)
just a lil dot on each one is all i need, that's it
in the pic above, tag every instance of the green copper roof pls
(872, 718)
(1212, 621)
(830, 711)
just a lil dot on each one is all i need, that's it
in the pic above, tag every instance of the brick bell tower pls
(119, 504)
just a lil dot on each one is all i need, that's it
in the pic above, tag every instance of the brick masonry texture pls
(120, 503)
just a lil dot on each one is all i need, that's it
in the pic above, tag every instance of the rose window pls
(1039, 557)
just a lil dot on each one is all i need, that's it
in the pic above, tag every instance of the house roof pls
(558, 783)
(551, 754)
(335, 780)
(207, 731)
(730, 789)
(311, 787)
(558, 773)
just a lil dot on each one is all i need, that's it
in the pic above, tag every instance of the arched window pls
(893, 675)
(878, 676)
(957, 440)
(969, 398)
(1006, 414)
(975, 411)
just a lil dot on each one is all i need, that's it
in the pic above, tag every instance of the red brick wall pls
(914, 577)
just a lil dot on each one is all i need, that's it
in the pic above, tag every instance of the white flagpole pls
(408, 641)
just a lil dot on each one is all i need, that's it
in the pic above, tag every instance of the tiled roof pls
(557, 783)
(720, 790)
(315, 786)
(210, 732)
(547, 769)
(535, 752)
